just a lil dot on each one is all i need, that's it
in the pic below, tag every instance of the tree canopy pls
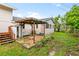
(72, 17)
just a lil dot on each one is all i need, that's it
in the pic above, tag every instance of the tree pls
(72, 17)
(56, 23)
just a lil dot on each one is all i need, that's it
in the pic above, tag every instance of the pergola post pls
(34, 32)
(44, 30)
(33, 28)
(21, 30)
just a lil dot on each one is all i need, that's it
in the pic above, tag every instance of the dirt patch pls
(73, 51)
(27, 42)
(52, 53)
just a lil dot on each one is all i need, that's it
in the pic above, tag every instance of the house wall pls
(14, 29)
(40, 29)
(49, 30)
(5, 19)
(28, 29)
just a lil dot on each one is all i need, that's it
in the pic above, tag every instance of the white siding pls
(49, 30)
(5, 19)
(14, 31)
(28, 29)
(39, 29)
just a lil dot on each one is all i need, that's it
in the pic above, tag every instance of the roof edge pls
(6, 5)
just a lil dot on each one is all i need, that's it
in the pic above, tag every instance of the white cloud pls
(58, 5)
(28, 14)
(34, 14)
(18, 14)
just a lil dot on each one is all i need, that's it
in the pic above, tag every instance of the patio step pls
(5, 38)
(5, 42)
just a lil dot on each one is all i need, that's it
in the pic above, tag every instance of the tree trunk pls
(54, 28)
(58, 29)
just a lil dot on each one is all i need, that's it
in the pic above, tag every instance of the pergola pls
(31, 21)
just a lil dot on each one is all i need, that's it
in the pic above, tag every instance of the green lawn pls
(61, 43)
(69, 43)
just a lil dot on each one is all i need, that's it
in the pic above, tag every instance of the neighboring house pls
(50, 26)
(27, 29)
(5, 17)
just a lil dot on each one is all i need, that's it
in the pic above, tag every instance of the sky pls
(40, 10)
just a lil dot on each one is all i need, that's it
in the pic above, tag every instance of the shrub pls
(44, 41)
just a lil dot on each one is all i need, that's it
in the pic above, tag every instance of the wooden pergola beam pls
(30, 21)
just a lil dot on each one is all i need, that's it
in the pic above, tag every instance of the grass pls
(58, 41)
(68, 41)
(15, 49)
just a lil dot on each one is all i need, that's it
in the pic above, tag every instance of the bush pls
(44, 41)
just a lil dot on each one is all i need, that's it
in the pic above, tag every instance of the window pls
(50, 25)
(36, 25)
(23, 26)
(47, 25)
